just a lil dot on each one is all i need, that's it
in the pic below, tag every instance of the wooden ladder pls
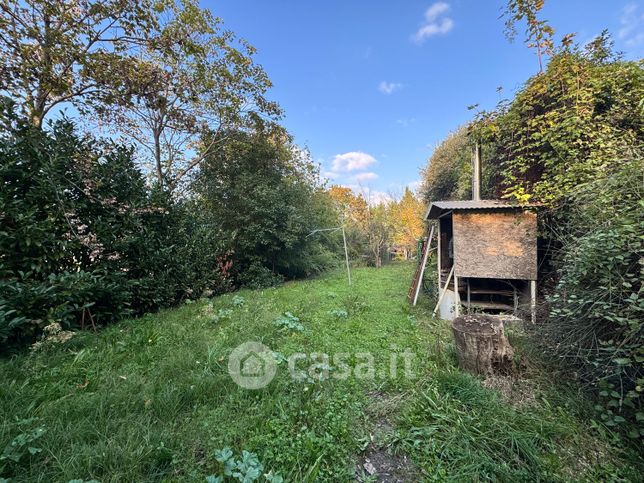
(414, 290)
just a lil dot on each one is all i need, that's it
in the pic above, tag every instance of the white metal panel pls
(447, 308)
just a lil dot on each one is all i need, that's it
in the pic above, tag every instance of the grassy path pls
(151, 399)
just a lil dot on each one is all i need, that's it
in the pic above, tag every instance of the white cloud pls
(366, 176)
(632, 26)
(406, 122)
(436, 22)
(330, 175)
(352, 161)
(436, 10)
(414, 186)
(389, 87)
(374, 197)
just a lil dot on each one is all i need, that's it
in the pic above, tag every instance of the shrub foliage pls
(83, 238)
(265, 194)
(571, 139)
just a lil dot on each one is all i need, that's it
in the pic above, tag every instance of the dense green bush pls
(597, 308)
(448, 174)
(82, 234)
(265, 193)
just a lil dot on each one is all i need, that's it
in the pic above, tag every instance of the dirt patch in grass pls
(378, 463)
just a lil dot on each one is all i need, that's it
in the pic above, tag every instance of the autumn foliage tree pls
(407, 218)
(352, 206)
(538, 33)
(374, 228)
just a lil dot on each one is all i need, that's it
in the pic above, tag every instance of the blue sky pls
(370, 87)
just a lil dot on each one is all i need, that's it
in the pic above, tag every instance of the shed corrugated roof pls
(437, 208)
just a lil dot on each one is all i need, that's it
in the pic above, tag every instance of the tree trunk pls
(38, 108)
(481, 345)
(36, 119)
(157, 156)
(37, 112)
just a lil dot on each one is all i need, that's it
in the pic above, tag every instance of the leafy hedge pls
(82, 234)
(597, 307)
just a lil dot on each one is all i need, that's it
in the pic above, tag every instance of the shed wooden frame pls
(492, 248)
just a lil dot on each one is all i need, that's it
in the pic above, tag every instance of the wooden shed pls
(487, 256)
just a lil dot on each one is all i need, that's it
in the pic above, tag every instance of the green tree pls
(53, 52)
(448, 170)
(265, 193)
(194, 77)
(160, 73)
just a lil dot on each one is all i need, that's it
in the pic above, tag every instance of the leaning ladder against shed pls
(417, 282)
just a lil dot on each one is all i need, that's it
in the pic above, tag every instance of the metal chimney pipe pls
(476, 172)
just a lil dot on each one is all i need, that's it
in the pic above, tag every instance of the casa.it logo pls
(252, 365)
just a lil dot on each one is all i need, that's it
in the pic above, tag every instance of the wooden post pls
(423, 264)
(346, 254)
(344, 239)
(476, 172)
(457, 297)
(442, 294)
(468, 295)
(515, 296)
(439, 255)
(533, 301)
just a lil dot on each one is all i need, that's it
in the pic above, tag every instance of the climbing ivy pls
(567, 126)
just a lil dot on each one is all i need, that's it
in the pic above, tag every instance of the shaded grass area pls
(151, 399)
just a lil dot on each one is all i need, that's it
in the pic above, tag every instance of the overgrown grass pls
(151, 399)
